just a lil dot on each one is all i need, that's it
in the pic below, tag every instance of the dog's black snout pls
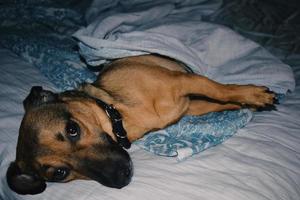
(126, 172)
(123, 175)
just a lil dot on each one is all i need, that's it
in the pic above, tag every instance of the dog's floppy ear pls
(23, 183)
(37, 97)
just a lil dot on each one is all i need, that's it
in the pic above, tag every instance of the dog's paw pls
(260, 98)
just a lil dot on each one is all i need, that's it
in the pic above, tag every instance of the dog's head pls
(62, 138)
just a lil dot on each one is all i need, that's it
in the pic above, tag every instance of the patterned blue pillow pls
(193, 134)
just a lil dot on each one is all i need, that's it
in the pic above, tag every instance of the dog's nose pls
(125, 172)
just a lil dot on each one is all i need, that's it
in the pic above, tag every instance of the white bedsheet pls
(261, 162)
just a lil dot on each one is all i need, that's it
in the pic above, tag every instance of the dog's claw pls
(275, 101)
(267, 107)
(269, 91)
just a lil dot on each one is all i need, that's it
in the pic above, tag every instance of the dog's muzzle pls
(115, 171)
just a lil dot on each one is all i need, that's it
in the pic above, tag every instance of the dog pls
(84, 133)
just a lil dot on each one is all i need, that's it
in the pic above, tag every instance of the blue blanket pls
(41, 34)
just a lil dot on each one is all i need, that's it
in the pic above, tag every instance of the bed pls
(261, 160)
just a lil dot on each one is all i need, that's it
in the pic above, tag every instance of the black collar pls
(116, 121)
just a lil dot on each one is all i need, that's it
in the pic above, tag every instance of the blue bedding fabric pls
(193, 134)
(40, 32)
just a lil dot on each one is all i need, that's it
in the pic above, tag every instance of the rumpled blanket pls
(41, 35)
(176, 29)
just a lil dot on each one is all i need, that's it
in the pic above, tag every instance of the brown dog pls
(79, 135)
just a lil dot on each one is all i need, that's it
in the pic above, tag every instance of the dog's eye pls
(60, 174)
(73, 130)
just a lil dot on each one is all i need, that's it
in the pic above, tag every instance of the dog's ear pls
(23, 183)
(37, 97)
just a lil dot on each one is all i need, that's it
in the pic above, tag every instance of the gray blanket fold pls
(176, 30)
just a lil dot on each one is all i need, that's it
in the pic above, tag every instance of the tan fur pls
(152, 92)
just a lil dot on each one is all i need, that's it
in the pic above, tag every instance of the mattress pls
(261, 161)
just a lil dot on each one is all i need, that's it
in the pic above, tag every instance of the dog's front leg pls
(256, 96)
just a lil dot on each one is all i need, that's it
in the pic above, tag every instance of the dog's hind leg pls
(200, 107)
(256, 96)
